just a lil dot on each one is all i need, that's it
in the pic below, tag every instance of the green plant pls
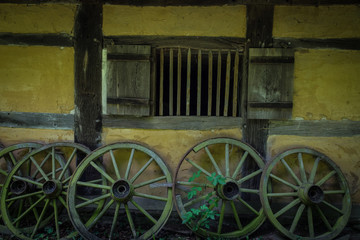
(200, 217)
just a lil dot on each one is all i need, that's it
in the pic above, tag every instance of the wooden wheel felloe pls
(34, 191)
(131, 171)
(310, 197)
(9, 156)
(239, 211)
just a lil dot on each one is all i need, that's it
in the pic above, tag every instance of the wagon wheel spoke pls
(308, 194)
(149, 182)
(297, 218)
(288, 168)
(240, 164)
(199, 199)
(302, 168)
(113, 224)
(130, 219)
(127, 182)
(143, 211)
(228, 158)
(249, 176)
(66, 167)
(129, 163)
(141, 170)
(236, 215)
(310, 221)
(213, 161)
(47, 201)
(56, 218)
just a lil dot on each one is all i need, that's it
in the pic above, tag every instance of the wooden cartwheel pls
(129, 169)
(310, 198)
(238, 211)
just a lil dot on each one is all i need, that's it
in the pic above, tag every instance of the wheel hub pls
(122, 191)
(229, 191)
(52, 188)
(19, 187)
(311, 194)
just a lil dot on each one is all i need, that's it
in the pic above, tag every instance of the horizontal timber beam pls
(192, 42)
(277, 127)
(192, 2)
(176, 123)
(36, 120)
(345, 43)
(321, 128)
(62, 40)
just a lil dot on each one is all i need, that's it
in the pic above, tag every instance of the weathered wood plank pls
(218, 85)
(88, 73)
(227, 84)
(171, 82)
(321, 128)
(193, 3)
(198, 108)
(186, 42)
(128, 57)
(270, 84)
(129, 80)
(188, 82)
(178, 95)
(61, 40)
(210, 89)
(270, 104)
(153, 82)
(161, 87)
(37, 120)
(229, 2)
(175, 123)
(347, 43)
(130, 101)
(235, 85)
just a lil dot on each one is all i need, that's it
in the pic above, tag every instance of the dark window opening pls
(197, 82)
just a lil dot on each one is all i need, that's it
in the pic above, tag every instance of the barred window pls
(197, 82)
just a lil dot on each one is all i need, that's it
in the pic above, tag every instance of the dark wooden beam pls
(229, 2)
(190, 41)
(37, 120)
(88, 62)
(322, 128)
(62, 40)
(88, 73)
(175, 123)
(259, 34)
(259, 26)
(347, 43)
(194, 3)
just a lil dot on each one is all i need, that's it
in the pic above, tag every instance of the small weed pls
(200, 217)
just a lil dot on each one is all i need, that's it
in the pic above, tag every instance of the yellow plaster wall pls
(317, 22)
(171, 145)
(9, 136)
(326, 85)
(36, 79)
(229, 21)
(344, 151)
(39, 18)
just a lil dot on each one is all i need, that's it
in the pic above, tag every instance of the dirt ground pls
(174, 230)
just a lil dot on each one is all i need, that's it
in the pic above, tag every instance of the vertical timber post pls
(88, 73)
(259, 27)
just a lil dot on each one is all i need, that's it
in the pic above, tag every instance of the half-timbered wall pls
(51, 66)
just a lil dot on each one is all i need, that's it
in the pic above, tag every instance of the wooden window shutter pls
(270, 83)
(128, 80)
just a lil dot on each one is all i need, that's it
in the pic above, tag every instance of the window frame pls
(175, 122)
